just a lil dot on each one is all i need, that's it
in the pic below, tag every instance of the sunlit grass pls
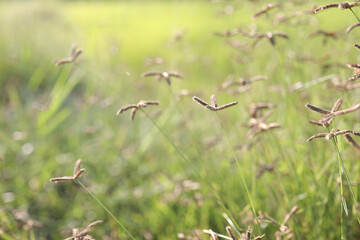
(69, 112)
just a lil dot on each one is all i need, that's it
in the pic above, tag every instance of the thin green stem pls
(341, 188)
(241, 173)
(186, 159)
(355, 15)
(105, 208)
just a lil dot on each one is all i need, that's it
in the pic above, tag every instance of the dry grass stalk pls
(328, 116)
(352, 27)
(83, 235)
(342, 6)
(135, 107)
(76, 174)
(265, 9)
(163, 75)
(72, 58)
(212, 107)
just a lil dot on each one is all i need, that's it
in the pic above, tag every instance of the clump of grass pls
(325, 121)
(83, 234)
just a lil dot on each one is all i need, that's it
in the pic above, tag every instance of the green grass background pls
(69, 112)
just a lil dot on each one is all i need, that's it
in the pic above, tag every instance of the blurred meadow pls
(171, 172)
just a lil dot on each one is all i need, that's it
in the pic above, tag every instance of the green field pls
(177, 168)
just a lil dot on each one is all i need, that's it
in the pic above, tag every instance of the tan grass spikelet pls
(214, 101)
(334, 133)
(352, 27)
(74, 55)
(135, 107)
(76, 174)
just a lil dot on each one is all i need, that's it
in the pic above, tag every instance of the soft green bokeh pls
(51, 116)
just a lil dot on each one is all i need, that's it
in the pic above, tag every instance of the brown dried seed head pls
(78, 173)
(133, 112)
(77, 166)
(226, 105)
(200, 101)
(337, 105)
(317, 109)
(62, 179)
(348, 110)
(94, 223)
(352, 27)
(121, 110)
(350, 140)
(83, 233)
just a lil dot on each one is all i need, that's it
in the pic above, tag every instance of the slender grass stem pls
(241, 174)
(187, 161)
(343, 206)
(106, 209)
(355, 14)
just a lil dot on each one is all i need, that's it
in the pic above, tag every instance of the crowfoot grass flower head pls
(213, 106)
(163, 75)
(83, 234)
(258, 125)
(135, 107)
(334, 133)
(74, 55)
(328, 115)
(76, 174)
